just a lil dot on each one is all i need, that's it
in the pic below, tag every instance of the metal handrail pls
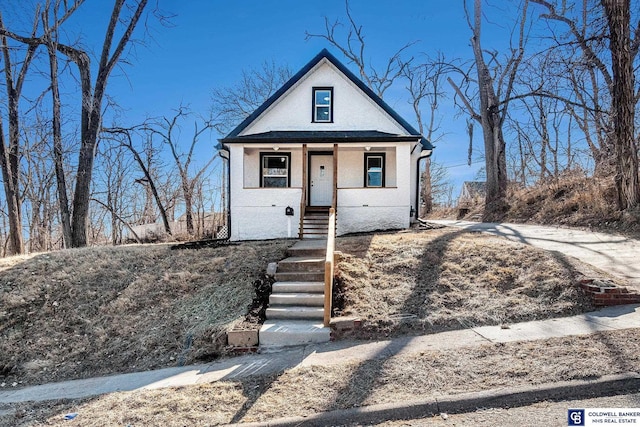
(329, 266)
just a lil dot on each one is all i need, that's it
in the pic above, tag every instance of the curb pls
(608, 385)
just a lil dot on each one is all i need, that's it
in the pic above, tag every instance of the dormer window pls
(322, 105)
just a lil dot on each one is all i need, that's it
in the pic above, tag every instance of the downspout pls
(425, 152)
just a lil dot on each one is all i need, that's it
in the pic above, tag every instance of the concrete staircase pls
(296, 305)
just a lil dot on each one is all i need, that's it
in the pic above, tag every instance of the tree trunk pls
(15, 242)
(623, 103)
(82, 192)
(188, 202)
(63, 202)
(427, 191)
(491, 121)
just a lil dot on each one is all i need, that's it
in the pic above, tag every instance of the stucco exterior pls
(362, 126)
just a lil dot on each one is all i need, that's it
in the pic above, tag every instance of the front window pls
(322, 104)
(275, 170)
(374, 170)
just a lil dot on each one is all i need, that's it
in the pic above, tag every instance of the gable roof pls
(233, 136)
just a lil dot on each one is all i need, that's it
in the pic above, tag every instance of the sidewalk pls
(617, 255)
(333, 353)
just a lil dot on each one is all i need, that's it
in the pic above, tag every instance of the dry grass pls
(441, 279)
(573, 199)
(96, 311)
(309, 390)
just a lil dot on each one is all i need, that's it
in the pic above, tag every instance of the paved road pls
(546, 414)
(617, 255)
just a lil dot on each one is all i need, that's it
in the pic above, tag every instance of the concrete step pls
(313, 235)
(316, 247)
(308, 264)
(300, 276)
(297, 299)
(297, 287)
(282, 333)
(295, 312)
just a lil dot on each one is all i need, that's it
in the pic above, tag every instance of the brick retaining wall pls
(604, 293)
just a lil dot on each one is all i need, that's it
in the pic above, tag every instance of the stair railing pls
(329, 266)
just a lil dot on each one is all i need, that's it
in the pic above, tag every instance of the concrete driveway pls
(617, 255)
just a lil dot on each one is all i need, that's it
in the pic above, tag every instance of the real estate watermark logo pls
(589, 417)
(575, 417)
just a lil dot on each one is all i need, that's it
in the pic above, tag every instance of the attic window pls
(322, 105)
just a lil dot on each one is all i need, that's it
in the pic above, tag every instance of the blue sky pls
(210, 41)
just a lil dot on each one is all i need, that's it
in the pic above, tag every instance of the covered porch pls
(369, 181)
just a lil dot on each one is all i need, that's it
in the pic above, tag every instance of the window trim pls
(275, 154)
(314, 106)
(367, 156)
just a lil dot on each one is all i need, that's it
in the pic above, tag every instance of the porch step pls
(282, 333)
(316, 221)
(298, 287)
(300, 276)
(296, 312)
(318, 210)
(315, 224)
(308, 264)
(296, 299)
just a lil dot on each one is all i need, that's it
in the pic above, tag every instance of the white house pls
(322, 140)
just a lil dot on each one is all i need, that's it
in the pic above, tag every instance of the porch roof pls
(283, 137)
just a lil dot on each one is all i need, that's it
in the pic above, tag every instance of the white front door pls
(320, 180)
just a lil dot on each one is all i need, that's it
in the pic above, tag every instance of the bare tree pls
(623, 101)
(37, 179)
(231, 105)
(618, 130)
(168, 129)
(145, 159)
(441, 185)
(495, 88)
(113, 188)
(9, 156)
(424, 83)
(353, 48)
(92, 94)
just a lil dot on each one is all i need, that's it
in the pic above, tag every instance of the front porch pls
(283, 190)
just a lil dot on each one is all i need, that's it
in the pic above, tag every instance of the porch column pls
(303, 199)
(334, 201)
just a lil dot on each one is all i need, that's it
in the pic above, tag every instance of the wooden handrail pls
(329, 266)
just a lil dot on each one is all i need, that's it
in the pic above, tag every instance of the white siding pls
(351, 165)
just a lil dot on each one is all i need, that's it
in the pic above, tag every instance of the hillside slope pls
(96, 311)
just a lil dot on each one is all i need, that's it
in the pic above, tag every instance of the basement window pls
(276, 170)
